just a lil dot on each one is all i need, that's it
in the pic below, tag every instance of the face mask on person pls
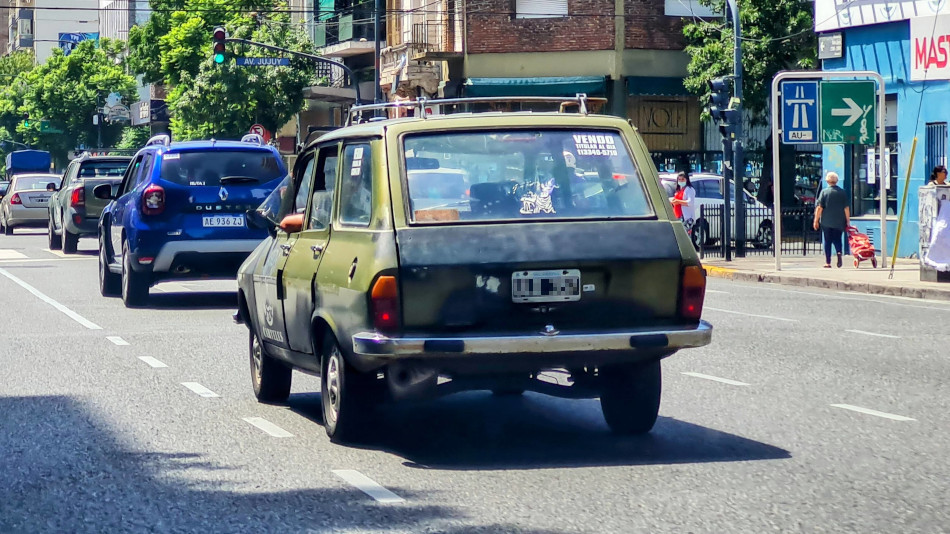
(681, 182)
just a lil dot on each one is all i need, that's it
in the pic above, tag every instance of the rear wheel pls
(763, 238)
(134, 285)
(270, 378)
(346, 394)
(630, 396)
(109, 282)
(55, 241)
(70, 241)
(7, 229)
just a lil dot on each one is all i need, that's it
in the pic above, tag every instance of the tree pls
(12, 68)
(134, 137)
(210, 100)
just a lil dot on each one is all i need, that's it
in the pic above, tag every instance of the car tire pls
(110, 284)
(70, 241)
(134, 285)
(55, 241)
(630, 397)
(7, 229)
(346, 394)
(765, 235)
(270, 378)
(700, 234)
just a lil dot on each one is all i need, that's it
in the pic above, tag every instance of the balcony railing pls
(345, 25)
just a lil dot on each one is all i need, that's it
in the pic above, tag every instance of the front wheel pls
(55, 241)
(134, 285)
(346, 395)
(270, 378)
(70, 241)
(630, 396)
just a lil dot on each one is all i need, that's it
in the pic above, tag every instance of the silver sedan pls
(26, 200)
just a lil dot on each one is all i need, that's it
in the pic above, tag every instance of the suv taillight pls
(78, 198)
(15, 199)
(384, 302)
(153, 200)
(692, 292)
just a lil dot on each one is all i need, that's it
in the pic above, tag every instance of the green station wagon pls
(421, 256)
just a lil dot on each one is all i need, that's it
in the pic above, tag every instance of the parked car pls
(554, 252)
(759, 228)
(73, 209)
(179, 212)
(24, 205)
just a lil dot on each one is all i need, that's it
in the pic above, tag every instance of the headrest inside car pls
(421, 163)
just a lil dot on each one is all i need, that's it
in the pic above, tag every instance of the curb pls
(800, 281)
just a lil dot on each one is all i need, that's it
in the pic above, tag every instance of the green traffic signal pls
(218, 48)
(219, 58)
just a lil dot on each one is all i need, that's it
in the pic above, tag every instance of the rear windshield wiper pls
(238, 179)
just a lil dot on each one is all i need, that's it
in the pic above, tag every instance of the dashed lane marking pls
(716, 379)
(751, 315)
(8, 254)
(869, 411)
(875, 334)
(152, 362)
(268, 427)
(200, 390)
(716, 291)
(42, 296)
(368, 486)
(116, 340)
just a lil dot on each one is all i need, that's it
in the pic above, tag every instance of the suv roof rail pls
(421, 105)
(160, 139)
(253, 138)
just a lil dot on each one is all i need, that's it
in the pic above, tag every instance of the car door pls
(123, 204)
(59, 199)
(271, 294)
(307, 252)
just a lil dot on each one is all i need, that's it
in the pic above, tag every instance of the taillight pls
(78, 198)
(692, 292)
(385, 303)
(15, 199)
(153, 200)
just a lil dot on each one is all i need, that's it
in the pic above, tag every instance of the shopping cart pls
(861, 247)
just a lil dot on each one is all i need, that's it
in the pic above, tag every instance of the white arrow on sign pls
(853, 111)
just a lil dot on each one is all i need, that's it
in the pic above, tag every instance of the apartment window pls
(540, 9)
(935, 152)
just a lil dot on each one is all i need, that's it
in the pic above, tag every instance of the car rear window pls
(103, 169)
(522, 175)
(26, 183)
(220, 167)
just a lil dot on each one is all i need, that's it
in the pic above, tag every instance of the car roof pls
(125, 159)
(209, 145)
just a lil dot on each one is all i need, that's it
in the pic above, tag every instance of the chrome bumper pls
(374, 344)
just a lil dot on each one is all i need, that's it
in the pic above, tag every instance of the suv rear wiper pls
(238, 179)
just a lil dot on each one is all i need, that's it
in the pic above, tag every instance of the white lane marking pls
(368, 486)
(716, 379)
(869, 411)
(751, 314)
(152, 361)
(8, 254)
(825, 294)
(716, 291)
(200, 390)
(117, 340)
(42, 296)
(59, 253)
(172, 287)
(47, 260)
(268, 427)
(872, 334)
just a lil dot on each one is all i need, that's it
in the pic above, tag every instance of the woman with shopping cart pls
(832, 215)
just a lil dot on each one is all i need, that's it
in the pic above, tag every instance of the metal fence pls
(799, 238)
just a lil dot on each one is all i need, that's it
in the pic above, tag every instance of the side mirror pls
(103, 192)
(292, 223)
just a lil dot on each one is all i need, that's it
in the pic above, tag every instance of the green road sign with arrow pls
(848, 112)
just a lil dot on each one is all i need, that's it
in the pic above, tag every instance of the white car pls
(25, 203)
(708, 187)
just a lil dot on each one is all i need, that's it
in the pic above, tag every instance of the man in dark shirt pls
(833, 215)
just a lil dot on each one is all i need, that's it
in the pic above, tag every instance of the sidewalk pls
(808, 272)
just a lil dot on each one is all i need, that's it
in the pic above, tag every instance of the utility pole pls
(738, 167)
(377, 22)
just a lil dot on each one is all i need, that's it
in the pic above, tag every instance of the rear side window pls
(103, 169)
(220, 167)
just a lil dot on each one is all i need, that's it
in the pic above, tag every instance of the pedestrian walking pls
(684, 205)
(938, 176)
(833, 216)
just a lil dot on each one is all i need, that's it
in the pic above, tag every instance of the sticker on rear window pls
(595, 145)
(539, 202)
(172, 156)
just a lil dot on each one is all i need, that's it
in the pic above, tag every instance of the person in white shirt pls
(684, 205)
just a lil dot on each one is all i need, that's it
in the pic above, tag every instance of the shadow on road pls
(195, 300)
(477, 430)
(62, 470)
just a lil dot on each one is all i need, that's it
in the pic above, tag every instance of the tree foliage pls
(776, 35)
(210, 100)
(133, 137)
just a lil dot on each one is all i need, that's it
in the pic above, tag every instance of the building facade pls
(45, 25)
(905, 41)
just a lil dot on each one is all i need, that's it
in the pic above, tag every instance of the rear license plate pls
(546, 286)
(41, 200)
(227, 221)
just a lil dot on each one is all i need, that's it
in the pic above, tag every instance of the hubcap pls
(257, 360)
(333, 385)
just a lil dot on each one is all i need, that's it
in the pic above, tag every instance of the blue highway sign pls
(799, 112)
(263, 61)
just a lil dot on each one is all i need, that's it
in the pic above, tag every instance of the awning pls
(655, 86)
(566, 86)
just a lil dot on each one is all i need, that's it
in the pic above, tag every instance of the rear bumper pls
(168, 252)
(376, 346)
(21, 216)
(88, 225)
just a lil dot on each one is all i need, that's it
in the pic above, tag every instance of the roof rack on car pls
(422, 105)
(253, 138)
(161, 139)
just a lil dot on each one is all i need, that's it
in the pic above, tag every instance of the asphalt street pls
(812, 411)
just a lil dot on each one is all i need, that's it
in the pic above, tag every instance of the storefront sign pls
(930, 48)
(830, 45)
(836, 14)
(662, 117)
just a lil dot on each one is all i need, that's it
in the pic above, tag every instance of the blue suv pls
(179, 213)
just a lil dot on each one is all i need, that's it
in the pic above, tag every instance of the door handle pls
(352, 271)
(285, 247)
(317, 249)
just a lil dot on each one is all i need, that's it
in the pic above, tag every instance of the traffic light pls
(26, 120)
(721, 109)
(218, 36)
